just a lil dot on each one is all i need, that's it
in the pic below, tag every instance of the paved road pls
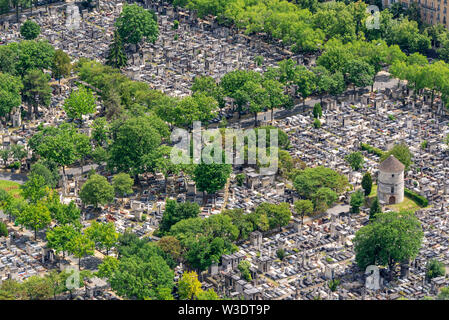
(14, 177)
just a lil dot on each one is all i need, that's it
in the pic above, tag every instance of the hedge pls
(371, 149)
(420, 200)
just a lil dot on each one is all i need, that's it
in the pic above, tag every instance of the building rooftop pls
(391, 164)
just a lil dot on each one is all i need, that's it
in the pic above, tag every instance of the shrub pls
(3, 230)
(420, 200)
(435, 269)
(371, 149)
(16, 165)
(240, 179)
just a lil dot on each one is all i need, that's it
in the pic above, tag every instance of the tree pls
(188, 285)
(391, 238)
(316, 123)
(374, 209)
(61, 145)
(175, 212)
(401, 152)
(30, 30)
(142, 275)
(303, 208)
(61, 65)
(101, 131)
(4, 6)
(211, 177)
(3, 230)
(36, 90)
(367, 183)
(4, 154)
(103, 235)
(434, 268)
(81, 246)
(171, 246)
(60, 238)
(18, 152)
(359, 73)
(199, 107)
(278, 215)
(333, 284)
(38, 288)
(108, 267)
(323, 199)
(122, 184)
(240, 178)
(306, 82)
(63, 214)
(255, 96)
(35, 217)
(50, 177)
(317, 111)
(356, 201)
(134, 146)
(34, 189)
(12, 290)
(309, 180)
(32, 54)
(117, 57)
(210, 294)
(443, 294)
(135, 24)
(79, 103)
(280, 253)
(243, 267)
(10, 88)
(355, 160)
(276, 96)
(97, 190)
(405, 33)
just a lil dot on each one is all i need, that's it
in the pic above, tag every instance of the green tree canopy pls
(97, 191)
(367, 183)
(10, 88)
(401, 152)
(391, 238)
(136, 24)
(355, 160)
(79, 103)
(175, 212)
(30, 30)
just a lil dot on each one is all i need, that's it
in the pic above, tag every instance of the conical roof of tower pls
(391, 164)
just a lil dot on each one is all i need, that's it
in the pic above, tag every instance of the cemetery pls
(307, 258)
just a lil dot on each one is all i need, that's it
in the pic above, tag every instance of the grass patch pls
(408, 204)
(13, 188)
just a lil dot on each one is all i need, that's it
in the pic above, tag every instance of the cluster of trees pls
(39, 208)
(423, 76)
(134, 25)
(306, 26)
(200, 242)
(189, 288)
(19, 5)
(22, 77)
(319, 186)
(48, 287)
(390, 238)
(142, 269)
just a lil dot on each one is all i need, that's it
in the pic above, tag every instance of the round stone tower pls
(390, 181)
